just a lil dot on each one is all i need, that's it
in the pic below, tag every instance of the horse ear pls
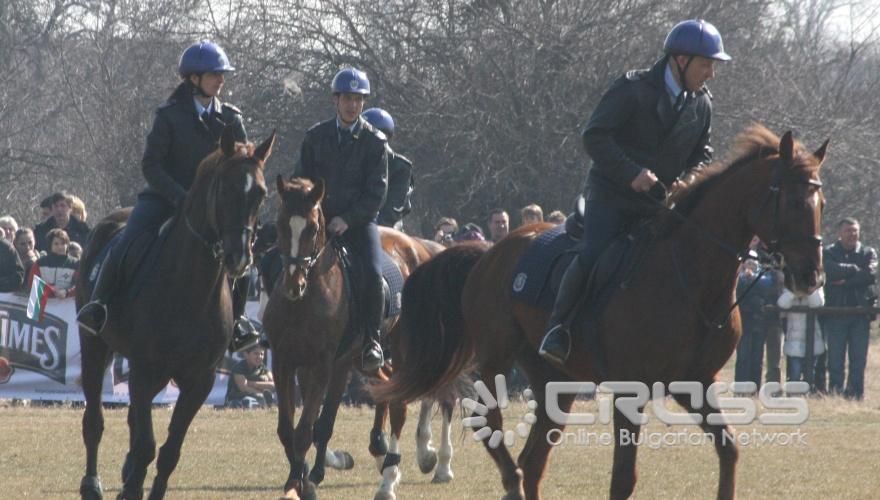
(317, 192)
(264, 150)
(786, 147)
(279, 182)
(820, 153)
(227, 141)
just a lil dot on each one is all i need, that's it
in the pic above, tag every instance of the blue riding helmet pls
(380, 119)
(695, 37)
(351, 81)
(203, 57)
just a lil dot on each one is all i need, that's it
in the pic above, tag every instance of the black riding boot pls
(372, 303)
(244, 334)
(93, 316)
(556, 345)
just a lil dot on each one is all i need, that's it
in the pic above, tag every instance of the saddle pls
(137, 262)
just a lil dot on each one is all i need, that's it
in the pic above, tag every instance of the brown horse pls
(458, 306)
(305, 319)
(180, 324)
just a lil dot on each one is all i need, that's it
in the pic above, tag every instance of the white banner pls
(41, 359)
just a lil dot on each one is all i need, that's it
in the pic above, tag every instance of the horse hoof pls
(90, 488)
(427, 462)
(342, 460)
(309, 492)
(513, 496)
(442, 478)
(385, 495)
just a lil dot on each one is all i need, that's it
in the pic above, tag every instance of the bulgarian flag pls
(40, 292)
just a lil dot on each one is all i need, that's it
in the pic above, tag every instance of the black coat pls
(355, 174)
(180, 139)
(76, 229)
(11, 270)
(857, 269)
(398, 203)
(635, 126)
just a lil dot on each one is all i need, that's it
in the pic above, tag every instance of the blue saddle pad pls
(538, 272)
(138, 261)
(393, 285)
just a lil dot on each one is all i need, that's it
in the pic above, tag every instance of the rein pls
(216, 246)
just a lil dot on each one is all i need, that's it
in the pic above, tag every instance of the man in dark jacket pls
(850, 273)
(185, 130)
(76, 229)
(350, 155)
(398, 202)
(651, 125)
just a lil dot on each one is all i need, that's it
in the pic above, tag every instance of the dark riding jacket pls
(635, 126)
(355, 173)
(180, 139)
(398, 203)
(858, 270)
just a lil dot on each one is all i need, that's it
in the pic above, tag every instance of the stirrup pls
(244, 335)
(88, 313)
(556, 345)
(372, 357)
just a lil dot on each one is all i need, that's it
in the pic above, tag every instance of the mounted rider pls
(398, 202)
(186, 129)
(350, 155)
(651, 125)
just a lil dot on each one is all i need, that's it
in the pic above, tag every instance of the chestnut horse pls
(180, 324)
(671, 323)
(306, 318)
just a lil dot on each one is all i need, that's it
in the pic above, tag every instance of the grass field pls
(235, 454)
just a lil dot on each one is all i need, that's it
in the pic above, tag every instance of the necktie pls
(344, 137)
(206, 116)
(681, 100)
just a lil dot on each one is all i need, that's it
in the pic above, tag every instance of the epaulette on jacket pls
(313, 127)
(403, 158)
(637, 74)
(232, 108)
(365, 125)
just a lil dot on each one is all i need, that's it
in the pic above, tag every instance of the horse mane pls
(756, 142)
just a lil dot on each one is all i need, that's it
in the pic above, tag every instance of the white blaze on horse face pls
(297, 225)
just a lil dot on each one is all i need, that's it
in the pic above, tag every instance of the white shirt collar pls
(201, 109)
(672, 87)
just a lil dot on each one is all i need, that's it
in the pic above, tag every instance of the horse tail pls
(432, 347)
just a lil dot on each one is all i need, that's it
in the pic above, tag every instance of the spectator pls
(78, 208)
(469, 232)
(56, 268)
(750, 350)
(499, 224)
(8, 227)
(850, 272)
(796, 333)
(444, 230)
(531, 214)
(556, 217)
(11, 270)
(24, 245)
(250, 382)
(46, 207)
(75, 250)
(76, 229)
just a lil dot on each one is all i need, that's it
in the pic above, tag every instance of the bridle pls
(306, 263)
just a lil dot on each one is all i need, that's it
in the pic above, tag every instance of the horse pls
(180, 324)
(306, 318)
(457, 308)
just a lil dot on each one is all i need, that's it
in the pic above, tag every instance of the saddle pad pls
(394, 280)
(531, 280)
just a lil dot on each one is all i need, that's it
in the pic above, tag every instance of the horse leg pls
(285, 388)
(511, 476)
(192, 395)
(725, 447)
(443, 473)
(313, 381)
(623, 471)
(324, 429)
(391, 465)
(425, 451)
(95, 357)
(142, 389)
(378, 440)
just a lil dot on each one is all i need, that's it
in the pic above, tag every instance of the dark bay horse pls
(305, 319)
(179, 325)
(457, 307)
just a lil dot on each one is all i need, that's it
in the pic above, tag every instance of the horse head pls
(301, 237)
(233, 197)
(787, 216)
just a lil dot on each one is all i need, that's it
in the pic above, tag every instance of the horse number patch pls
(519, 282)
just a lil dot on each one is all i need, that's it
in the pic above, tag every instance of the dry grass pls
(235, 454)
